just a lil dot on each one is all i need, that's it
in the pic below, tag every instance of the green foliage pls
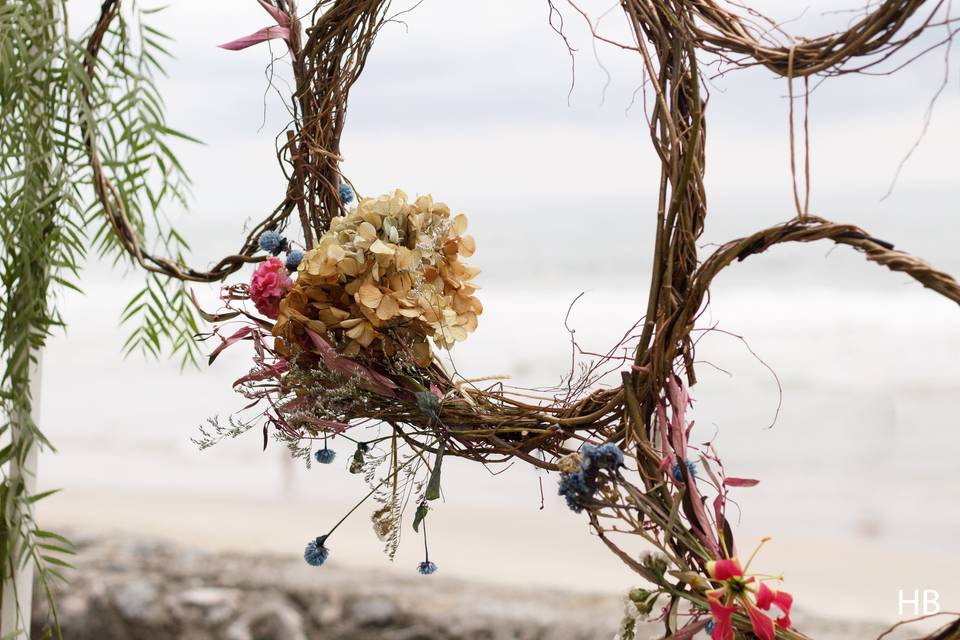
(49, 218)
(135, 145)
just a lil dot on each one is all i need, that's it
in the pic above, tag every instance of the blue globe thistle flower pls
(611, 455)
(325, 456)
(588, 456)
(709, 628)
(346, 193)
(607, 456)
(426, 568)
(294, 258)
(575, 488)
(678, 473)
(272, 242)
(316, 553)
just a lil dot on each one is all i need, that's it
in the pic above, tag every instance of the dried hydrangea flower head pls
(387, 275)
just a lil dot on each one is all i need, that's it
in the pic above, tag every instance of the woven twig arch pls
(329, 46)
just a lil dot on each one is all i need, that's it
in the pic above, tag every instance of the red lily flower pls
(282, 30)
(740, 590)
(781, 599)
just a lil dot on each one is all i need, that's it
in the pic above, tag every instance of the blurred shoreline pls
(150, 589)
(835, 579)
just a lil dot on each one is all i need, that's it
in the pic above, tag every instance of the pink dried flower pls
(270, 283)
(282, 30)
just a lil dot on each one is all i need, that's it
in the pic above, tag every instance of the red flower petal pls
(767, 597)
(723, 618)
(761, 623)
(764, 597)
(724, 569)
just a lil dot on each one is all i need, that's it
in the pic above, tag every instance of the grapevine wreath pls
(346, 313)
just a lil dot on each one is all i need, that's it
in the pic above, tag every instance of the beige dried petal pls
(461, 304)
(350, 323)
(398, 284)
(335, 253)
(369, 296)
(388, 308)
(459, 333)
(367, 231)
(468, 246)
(404, 259)
(372, 217)
(469, 321)
(368, 335)
(424, 203)
(459, 225)
(370, 315)
(330, 317)
(380, 248)
(349, 267)
(430, 314)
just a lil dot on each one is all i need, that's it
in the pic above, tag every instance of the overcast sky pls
(468, 101)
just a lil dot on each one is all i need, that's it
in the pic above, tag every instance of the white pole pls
(15, 616)
(18, 592)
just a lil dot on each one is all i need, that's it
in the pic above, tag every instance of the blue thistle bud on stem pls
(316, 553)
(426, 568)
(294, 258)
(579, 487)
(325, 456)
(272, 242)
(346, 193)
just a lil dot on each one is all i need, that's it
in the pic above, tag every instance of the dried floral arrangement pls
(345, 326)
